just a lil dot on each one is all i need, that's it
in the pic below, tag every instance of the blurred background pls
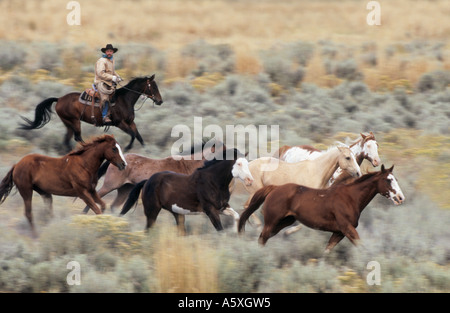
(316, 68)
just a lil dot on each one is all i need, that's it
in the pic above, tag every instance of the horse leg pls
(122, 194)
(99, 200)
(230, 212)
(334, 240)
(151, 212)
(127, 128)
(27, 195)
(73, 128)
(136, 132)
(293, 229)
(347, 229)
(180, 219)
(214, 217)
(47, 198)
(86, 196)
(286, 221)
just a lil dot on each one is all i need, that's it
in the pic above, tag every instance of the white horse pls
(364, 147)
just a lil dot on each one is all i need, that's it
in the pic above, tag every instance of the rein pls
(140, 93)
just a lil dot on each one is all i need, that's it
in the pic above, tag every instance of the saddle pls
(91, 97)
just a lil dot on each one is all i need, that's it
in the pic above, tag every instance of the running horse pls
(140, 167)
(336, 209)
(72, 175)
(206, 190)
(312, 173)
(71, 111)
(364, 148)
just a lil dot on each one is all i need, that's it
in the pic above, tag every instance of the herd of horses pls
(324, 190)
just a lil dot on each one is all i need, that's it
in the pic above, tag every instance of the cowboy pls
(106, 79)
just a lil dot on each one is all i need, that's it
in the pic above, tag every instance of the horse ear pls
(382, 168)
(363, 136)
(391, 169)
(152, 77)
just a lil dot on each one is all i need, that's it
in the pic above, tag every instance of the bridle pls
(143, 92)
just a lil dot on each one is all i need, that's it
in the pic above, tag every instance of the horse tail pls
(258, 198)
(133, 197)
(6, 185)
(42, 115)
(102, 170)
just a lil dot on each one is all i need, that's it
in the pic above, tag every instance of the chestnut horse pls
(336, 209)
(312, 173)
(206, 190)
(140, 167)
(72, 112)
(73, 175)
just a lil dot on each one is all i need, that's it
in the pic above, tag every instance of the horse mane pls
(87, 145)
(131, 83)
(369, 136)
(215, 161)
(366, 177)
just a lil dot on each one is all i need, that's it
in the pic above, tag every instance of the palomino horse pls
(365, 147)
(140, 167)
(336, 209)
(312, 173)
(73, 175)
(72, 112)
(204, 191)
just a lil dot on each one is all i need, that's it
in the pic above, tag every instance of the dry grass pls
(248, 26)
(184, 264)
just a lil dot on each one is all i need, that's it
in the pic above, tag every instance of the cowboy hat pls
(109, 46)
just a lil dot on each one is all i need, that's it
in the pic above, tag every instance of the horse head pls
(347, 162)
(152, 90)
(240, 170)
(369, 147)
(388, 186)
(113, 153)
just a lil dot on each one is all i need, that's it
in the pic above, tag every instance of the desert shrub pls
(243, 267)
(311, 277)
(346, 69)
(282, 70)
(138, 59)
(434, 81)
(210, 57)
(47, 89)
(14, 275)
(11, 55)
(49, 55)
(137, 273)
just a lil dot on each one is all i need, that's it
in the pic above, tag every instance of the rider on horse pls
(106, 79)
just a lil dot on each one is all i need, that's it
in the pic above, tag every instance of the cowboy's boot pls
(106, 112)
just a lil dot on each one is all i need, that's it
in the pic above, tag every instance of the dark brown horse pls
(204, 191)
(73, 175)
(72, 112)
(140, 167)
(336, 209)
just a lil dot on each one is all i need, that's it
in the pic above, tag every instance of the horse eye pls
(114, 149)
(347, 158)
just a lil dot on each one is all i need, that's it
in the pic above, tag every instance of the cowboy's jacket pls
(104, 71)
